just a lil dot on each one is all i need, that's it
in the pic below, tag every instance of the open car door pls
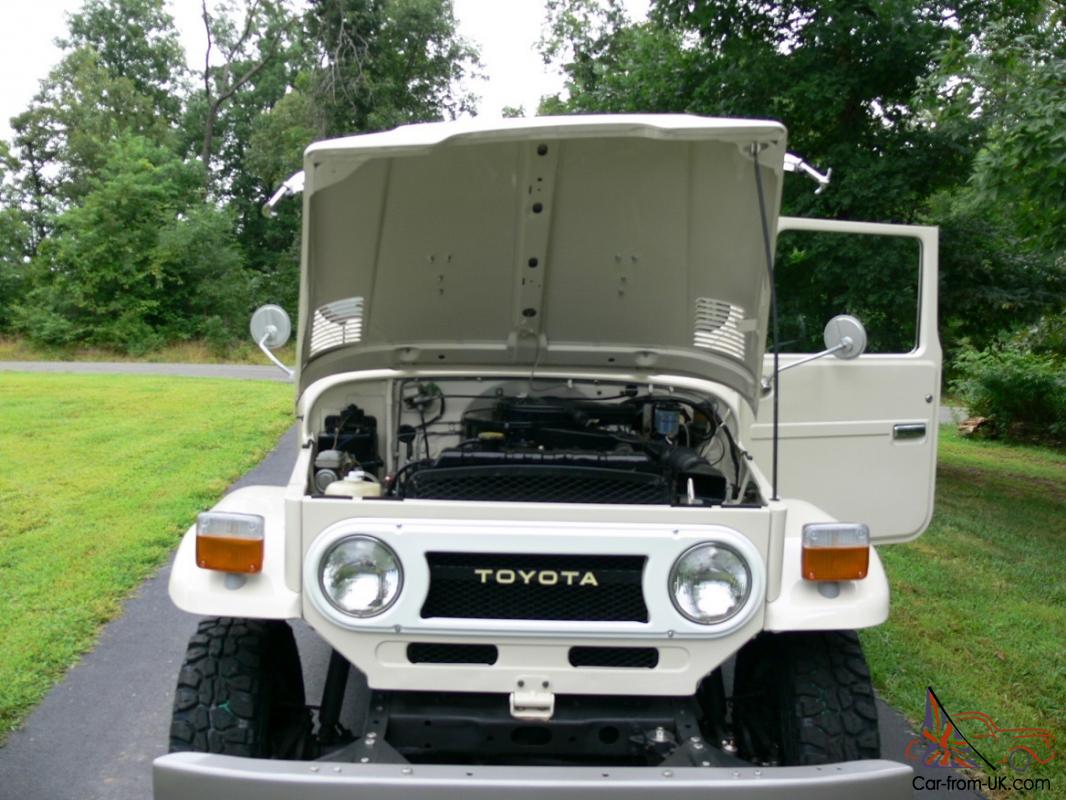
(857, 437)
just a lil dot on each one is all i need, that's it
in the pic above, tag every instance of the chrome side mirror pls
(270, 328)
(844, 337)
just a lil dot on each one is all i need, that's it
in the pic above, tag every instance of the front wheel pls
(805, 698)
(241, 692)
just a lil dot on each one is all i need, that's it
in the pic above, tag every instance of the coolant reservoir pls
(356, 484)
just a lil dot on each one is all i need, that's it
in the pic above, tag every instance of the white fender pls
(801, 606)
(204, 591)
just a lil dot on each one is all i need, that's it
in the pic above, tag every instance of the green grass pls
(100, 476)
(244, 352)
(979, 601)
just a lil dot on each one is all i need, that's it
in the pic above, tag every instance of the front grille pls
(615, 657)
(430, 653)
(526, 483)
(532, 586)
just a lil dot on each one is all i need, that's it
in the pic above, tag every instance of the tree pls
(31, 188)
(275, 151)
(15, 239)
(839, 73)
(80, 108)
(1008, 83)
(245, 54)
(382, 63)
(122, 73)
(134, 40)
(140, 261)
(132, 199)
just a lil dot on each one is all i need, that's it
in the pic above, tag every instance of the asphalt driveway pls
(238, 371)
(96, 733)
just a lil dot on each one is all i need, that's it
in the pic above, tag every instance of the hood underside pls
(608, 242)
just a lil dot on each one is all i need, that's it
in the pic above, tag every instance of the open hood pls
(629, 243)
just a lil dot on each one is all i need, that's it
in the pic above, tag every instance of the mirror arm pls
(794, 163)
(845, 344)
(292, 186)
(271, 330)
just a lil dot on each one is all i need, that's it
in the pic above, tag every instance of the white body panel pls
(838, 449)
(801, 606)
(265, 595)
(540, 650)
(660, 542)
(575, 242)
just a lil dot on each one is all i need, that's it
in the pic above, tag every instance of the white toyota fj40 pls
(547, 499)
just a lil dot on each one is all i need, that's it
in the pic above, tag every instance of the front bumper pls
(206, 777)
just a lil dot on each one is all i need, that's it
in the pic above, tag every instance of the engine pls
(628, 449)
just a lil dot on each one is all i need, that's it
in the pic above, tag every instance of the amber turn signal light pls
(229, 542)
(835, 552)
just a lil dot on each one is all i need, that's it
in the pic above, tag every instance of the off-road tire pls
(240, 691)
(805, 699)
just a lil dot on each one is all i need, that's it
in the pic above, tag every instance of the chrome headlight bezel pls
(320, 570)
(740, 610)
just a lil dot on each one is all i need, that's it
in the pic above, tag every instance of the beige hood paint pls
(610, 242)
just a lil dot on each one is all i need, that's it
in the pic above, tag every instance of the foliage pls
(839, 74)
(1047, 336)
(73, 545)
(1022, 391)
(134, 41)
(274, 152)
(111, 235)
(874, 278)
(992, 278)
(138, 262)
(14, 240)
(120, 75)
(1009, 80)
(383, 63)
(253, 55)
(241, 351)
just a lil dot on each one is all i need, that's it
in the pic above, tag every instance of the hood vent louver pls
(337, 323)
(718, 327)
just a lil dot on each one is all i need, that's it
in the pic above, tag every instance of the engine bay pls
(572, 442)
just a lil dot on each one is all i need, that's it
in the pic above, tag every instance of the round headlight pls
(710, 583)
(360, 576)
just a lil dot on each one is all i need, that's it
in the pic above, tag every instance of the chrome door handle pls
(908, 430)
